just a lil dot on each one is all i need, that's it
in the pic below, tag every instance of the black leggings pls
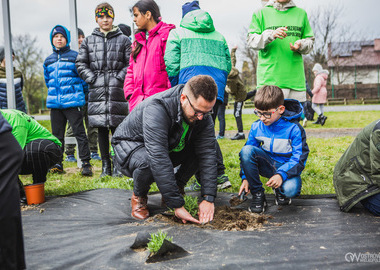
(40, 156)
(104, 141)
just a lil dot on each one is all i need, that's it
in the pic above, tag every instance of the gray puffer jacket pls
(102, 62)
(156, 124)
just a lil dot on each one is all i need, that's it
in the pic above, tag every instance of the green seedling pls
(191, 205)
(156, 241)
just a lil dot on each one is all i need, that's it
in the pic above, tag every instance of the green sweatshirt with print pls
(277, 64)
(25, 129)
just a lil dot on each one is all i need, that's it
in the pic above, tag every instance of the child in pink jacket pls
(146, 74)
(319, 92)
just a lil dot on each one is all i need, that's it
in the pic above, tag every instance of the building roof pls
(364, 53)
(344, 49)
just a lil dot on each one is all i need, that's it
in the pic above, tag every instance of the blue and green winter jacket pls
(284, 140)
(65, 88)
(195, 48)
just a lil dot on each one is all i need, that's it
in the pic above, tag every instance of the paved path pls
(345, 108)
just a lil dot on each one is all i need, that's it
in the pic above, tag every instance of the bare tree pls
(332, 40)
(29, 61)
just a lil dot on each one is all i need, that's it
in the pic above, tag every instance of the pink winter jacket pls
(147, 76)
(319, 91)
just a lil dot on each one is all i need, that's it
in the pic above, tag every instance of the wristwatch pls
(209, 198)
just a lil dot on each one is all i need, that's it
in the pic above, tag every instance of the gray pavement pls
(342, 108)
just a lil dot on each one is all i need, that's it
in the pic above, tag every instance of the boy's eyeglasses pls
(198, 113)
(266, 115)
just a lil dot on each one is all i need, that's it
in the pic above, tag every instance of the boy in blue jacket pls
(66, 96)
(276, 148)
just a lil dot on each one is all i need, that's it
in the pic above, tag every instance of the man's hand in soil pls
(206, 212)
(185, 216)
(275, 181)
(244, 186)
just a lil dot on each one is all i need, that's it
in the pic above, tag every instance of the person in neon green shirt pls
(41, 149)
(281, 33)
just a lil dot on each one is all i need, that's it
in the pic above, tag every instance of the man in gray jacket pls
(164, 131)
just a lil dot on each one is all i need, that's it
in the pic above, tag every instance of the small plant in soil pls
(191, 205)
(156, 241)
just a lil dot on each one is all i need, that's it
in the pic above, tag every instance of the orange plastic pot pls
(35, 194)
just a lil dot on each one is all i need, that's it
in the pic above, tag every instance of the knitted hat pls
(125, 29)
(317, 67)
(2, 53)
(189, 6)
(59, 30)
(80, 32)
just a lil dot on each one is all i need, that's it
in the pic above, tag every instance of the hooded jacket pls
(65, 88)
(156, 124)
(234, 82)
(357, 172)
(277, 63)
(197, 49)
(18, 83)
(25, 129)
(147, 76)
(102, 62)
(284, 140)
(319, 91)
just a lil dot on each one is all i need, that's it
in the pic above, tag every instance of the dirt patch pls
(32, 207)
(225, 219)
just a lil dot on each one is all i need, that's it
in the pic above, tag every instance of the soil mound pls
(225, 219)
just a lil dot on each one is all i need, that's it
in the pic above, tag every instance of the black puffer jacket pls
(102, 62)
(156, 124)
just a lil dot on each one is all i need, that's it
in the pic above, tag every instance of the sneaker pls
(223, 181)
(304, 122)
(95, 156)
(71, 158)
(86, 169)
(280, 199)
(194, 187)
(219, 137)
(57, 168)
(258, 203)
(238, 136)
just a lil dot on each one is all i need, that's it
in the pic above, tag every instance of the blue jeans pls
(372, 204)
(255, 162)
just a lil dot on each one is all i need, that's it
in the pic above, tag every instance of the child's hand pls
(244, 186)
(296, 46)
(280, 33)
(275, 181)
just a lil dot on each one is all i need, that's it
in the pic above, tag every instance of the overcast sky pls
(37, 17)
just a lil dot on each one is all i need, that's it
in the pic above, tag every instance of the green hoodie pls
(25, 129)
(357, 173)
(198, 21)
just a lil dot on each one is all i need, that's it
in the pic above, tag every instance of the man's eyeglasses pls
(198, 113)
(266, 115)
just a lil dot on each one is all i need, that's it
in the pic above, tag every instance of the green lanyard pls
(181, 143)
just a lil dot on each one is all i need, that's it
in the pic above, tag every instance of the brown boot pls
(139, 207)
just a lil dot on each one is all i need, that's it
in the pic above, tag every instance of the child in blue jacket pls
(276, 148)
(66, 95)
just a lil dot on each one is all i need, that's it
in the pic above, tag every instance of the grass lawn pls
(316, 178)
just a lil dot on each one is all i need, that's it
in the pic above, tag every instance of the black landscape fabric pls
(94, 230)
